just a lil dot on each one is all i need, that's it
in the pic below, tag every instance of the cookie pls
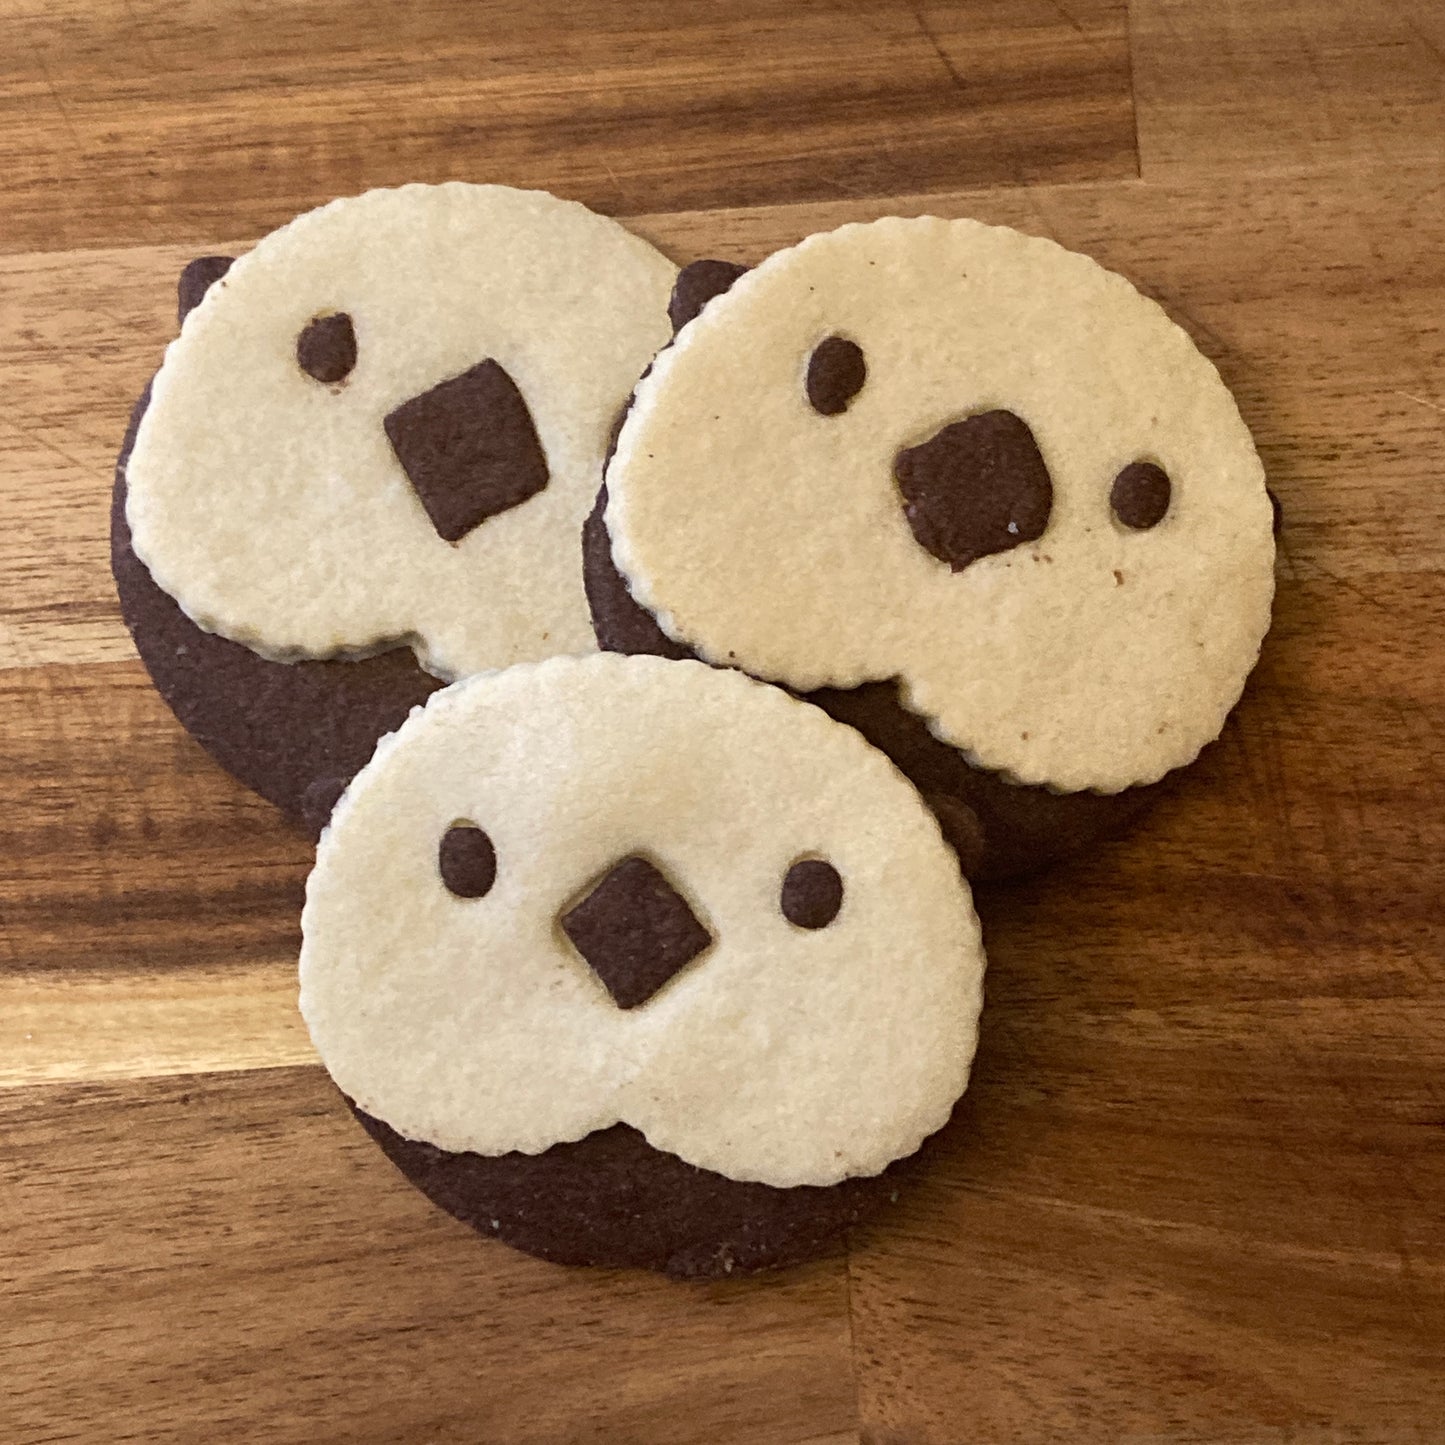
(967, 463)
(998, 829)
(630, 961)
(365, 463)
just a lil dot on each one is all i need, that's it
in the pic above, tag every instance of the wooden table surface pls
(1197, 1190)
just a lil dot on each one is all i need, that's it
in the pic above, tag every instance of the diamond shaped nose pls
(635, 931)
(976, 487)
(469, 449)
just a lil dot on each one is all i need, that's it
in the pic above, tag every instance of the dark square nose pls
(635, 930)
(469, 449)
(976, 487)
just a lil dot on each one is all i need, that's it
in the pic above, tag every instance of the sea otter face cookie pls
(386, 424)
(967, 459)
(614, 889)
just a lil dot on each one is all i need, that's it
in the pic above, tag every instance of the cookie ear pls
(697, 283)
(320, 799)
(196, 280)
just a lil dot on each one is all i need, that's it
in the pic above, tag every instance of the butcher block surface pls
(1196, 1191)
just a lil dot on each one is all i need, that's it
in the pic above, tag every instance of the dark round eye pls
(836, 373)
(326, 347)
(1140, 496)
(467, 860)
(812, 893)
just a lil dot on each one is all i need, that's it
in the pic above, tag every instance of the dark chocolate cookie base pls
(612, 1199)
(294, 732)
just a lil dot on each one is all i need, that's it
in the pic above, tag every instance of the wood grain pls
(150, 905)
(1193, 1194)
(1237, 86)
(147, 120)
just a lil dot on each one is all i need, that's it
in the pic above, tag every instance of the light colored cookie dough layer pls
(764, 534)
(780, 1054)
(272, 507)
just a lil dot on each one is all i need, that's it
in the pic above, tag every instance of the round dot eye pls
(1140, 496)
(326, 347)
(836, 373)
(467, 861)
(812, 893)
